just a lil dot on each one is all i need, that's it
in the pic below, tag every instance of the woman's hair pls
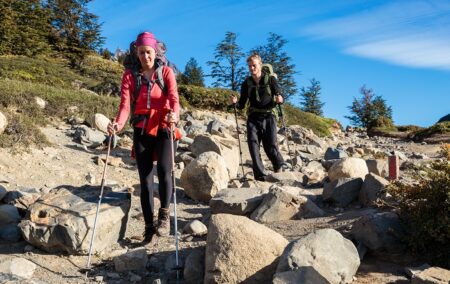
(254, 56)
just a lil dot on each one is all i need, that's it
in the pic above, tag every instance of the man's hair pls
(254, 56)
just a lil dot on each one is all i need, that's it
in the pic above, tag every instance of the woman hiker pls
(153, 110)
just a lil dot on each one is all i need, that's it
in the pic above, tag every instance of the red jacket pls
(159, 103)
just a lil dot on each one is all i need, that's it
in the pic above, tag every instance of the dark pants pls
(145, 147)
(263, 127)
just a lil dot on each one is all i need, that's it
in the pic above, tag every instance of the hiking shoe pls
(163, 228)
(261, 178)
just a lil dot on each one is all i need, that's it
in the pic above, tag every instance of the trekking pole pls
(239, 142)
(102, 186)
(280, 109)
(177, 264)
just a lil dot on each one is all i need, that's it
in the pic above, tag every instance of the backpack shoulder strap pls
(160, 79)
(137, 84)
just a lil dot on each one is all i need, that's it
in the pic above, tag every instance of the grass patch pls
(205, 98)
(319, 125)
(438, 128)
(17, 100)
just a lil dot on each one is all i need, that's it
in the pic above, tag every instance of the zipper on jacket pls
(149, 87)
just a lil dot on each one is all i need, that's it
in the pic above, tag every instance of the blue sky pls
(400, 49)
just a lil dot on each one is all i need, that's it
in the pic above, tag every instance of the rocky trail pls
(69, 164)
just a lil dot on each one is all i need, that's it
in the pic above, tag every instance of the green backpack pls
(267, 70)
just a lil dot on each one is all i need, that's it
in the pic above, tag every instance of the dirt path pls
(68, 163)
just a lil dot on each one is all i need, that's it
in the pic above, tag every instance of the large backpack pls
(267, 70)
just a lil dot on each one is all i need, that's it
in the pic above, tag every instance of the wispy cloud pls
(408, 33)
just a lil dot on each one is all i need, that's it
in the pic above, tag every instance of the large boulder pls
(342, 191)
(8, 214)
(3, 122)
(333, 154)
(194, 266)
(237, 201)
(241, 250)
(314, 172)
(278, 205)
(63, 220)
(372, 188)
(205, 176)
(348, 167)
(323, 256)
(17, 267)
(381, 233)
(226, 147)
(378, 167)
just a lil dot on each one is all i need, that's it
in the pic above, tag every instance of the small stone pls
(28, 248)
(113, 275)
(98, 278)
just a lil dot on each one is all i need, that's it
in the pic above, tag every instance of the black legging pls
(145, 147)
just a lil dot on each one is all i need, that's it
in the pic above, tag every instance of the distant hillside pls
(23, 78)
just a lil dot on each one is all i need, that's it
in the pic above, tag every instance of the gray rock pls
(88, 136)
(240, 249)
(237, 201)
(3, 192)
(63, 219)
(287, 178)
(3, 122)
(8, 214)
(194, 266)
(323, 254)
(307, 275)
(277, 205)
(225, 147)
(378, 167)
(196, 228)
(348, 167)
(372, 189)
(314, 172)
(342, 191)
(22, 197)
(380, 232)
(99, 121)
(17, 266)
(205, 176)
(333, 153)
(10, 233)
(432, 275)
(133, 260)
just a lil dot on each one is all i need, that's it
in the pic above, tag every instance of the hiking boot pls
(148, 236)
(163, 222)
(261, 178)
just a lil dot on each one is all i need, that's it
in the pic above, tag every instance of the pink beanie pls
(146, 38)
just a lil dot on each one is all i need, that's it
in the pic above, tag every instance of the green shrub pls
(438, 128)
(206, 98)
(17, 99)
(319, 125)
(425, 208)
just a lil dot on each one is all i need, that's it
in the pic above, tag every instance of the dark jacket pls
(266, 101)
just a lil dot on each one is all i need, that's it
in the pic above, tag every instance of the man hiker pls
(262, 92)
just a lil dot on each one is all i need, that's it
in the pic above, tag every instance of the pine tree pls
(311, 101)
(193, 74)
(370, 110)
(24, 27)
(272, 52)
(76, 32)
(226, 69)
